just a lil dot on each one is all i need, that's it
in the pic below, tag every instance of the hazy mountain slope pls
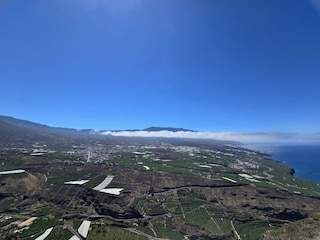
(23, 123)
(16, 132)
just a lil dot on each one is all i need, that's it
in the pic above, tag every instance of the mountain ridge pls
(42, 127)
(171, 129)
(17, 132)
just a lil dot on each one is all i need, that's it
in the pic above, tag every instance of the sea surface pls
(304, 159)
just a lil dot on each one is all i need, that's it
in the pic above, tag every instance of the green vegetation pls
(252, 229)
(282, 179)
(6, 203)
(167, 234)
(43, 211)
(191, 193)
(7, 222)
(39, 226)
(64, 175)
(151, 207)
(94, 181)
(145, 229)
(10, 160)
(106, 232)
(59, 233)
(173, 206)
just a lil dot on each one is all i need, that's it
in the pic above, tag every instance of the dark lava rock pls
(289, 215)
(292, 171)
(116, 212)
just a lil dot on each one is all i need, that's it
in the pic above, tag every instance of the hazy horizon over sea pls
(304, 159)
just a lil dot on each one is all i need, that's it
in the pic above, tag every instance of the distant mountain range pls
(28, 125)
(19, 133)
(7, 122)
(171, 129)
(13, 129)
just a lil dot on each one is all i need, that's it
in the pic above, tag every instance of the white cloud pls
(226, 136)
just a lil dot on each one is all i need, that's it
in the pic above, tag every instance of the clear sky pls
(207, 65)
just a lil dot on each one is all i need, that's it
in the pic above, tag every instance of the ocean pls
(304, 159)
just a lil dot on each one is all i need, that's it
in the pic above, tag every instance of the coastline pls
(303, 159)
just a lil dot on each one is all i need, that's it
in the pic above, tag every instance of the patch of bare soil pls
(306, 229)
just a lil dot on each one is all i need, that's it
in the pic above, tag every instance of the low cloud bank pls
(225, 136)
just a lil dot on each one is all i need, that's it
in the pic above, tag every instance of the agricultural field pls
(167, 191)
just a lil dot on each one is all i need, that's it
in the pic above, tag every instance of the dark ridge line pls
(201, 186)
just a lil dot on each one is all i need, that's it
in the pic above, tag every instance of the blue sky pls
(216, 65)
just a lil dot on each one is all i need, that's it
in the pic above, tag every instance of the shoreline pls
(303, 159)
